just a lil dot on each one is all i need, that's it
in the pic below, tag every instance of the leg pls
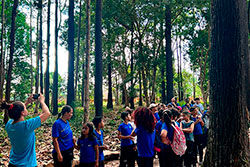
(123, 159)
(131, 156)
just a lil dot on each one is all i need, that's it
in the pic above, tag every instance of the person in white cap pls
(153, 108)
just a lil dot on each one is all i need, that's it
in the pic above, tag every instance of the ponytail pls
(65, 109)
(14, 109)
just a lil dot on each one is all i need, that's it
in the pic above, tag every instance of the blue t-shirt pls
(87, 150)
(145, 142)
(99, 138)
(22, 138)
(126, 130)
(158, 126)
(62, 131)
(197, 127)
(157, 116)
(170, 133)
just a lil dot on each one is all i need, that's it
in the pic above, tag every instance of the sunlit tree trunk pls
(40, 8)
(2, 56)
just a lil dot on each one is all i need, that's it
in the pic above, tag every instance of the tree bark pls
(48, 56)
(169, 63)
(78, 49)
(55, 76)
(12, 46)
(228, 138)
(31, 49)
(87, 62)
(41, 44)
(117, 92)
(2, 56)
(98, 60)
(110, 98)
(71, 30)
(131, 100)
(140, 90)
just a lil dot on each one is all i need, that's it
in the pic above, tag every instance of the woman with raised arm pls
(21, 131)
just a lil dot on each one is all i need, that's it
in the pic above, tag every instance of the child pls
(198, 123)
(145, 131)
(124, 133)
(99, 125)
(187, 127)
(87, 144)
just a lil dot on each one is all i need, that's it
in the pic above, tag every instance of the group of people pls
(145, 133)
(154, 128)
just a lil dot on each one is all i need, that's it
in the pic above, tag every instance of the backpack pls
(179, 141)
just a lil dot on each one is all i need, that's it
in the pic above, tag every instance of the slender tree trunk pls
(31, 48)
(87, 62)
(178, 67)
(123, 96)
(228, 138)
(98, 59)
(37, 55)
(181, 78)
(110, 98)
(131, 100)
(71, 30)
(169, 63)
(47, 67)
(12, 46)
(55, 76)
(78, 49)
(163, 90)
(2, 52)
(140, 89)
(41, 44)
(117, 91)
(194, 91)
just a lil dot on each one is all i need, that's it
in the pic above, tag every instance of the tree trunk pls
(117, 91)
(110, 98)
(87, 62)
(2, 52)
(163, 90)
(78, 49)
(12, 46)
(71, 30)
(169, 63)
(47, 67)
(178, 67)
(41, 44)
(55, 76)
(228, 138)
(31, 48)
(181, 78)
(98, 59)
(193, 84)
(131, 100)
(140, 87)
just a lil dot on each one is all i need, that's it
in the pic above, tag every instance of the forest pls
(102, 56)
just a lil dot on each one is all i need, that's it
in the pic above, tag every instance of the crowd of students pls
(145, 133)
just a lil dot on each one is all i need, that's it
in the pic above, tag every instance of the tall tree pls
(55, 76)
(48, 56)
(78, 48)
(37, 55)
(71, 30)
(98, 59)
(87, 62)
(2, 52)
(228, 138)
(169, 63)
(40, 10)
(31, 47)
(12, 46)
(110, 98)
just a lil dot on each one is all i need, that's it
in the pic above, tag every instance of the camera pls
(35, 96)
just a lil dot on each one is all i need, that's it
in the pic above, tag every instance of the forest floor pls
(44, 145)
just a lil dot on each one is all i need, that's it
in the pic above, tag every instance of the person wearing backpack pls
(167, 134)
(187, 127)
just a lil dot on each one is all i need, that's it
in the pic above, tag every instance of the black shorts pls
(67, 158)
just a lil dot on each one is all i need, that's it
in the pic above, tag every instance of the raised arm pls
(45, 110)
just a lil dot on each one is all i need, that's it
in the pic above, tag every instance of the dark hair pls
(167, 117)
(65, 109)
(91, 135)
(129, 111)
(124, 115)
(161, 113)
(96, 121)
(187, 100)
(144, 117)
(187, 113)
(193, 108)
(175, 112)
(14, 109)
(197, 98)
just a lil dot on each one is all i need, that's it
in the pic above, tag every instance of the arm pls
(190, 129)
(45, 114)
(76, 146)
(56, 145)
(96, 155)
(164, 137)
(120, 136)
